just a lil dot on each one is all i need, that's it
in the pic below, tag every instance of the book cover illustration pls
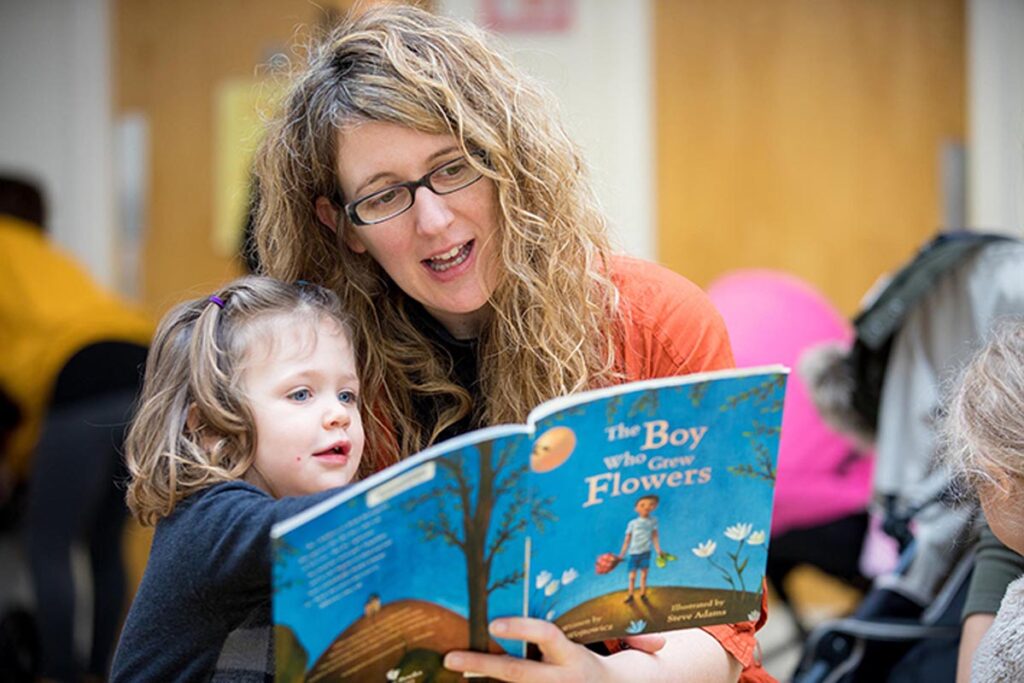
(632, 509)
(380, 586)
(663, 499)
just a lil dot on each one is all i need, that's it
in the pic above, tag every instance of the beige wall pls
(599, 68)
(995, 56)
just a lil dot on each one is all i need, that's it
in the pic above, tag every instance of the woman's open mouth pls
(456, 256)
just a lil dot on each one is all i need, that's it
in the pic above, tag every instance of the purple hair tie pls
(217, 300)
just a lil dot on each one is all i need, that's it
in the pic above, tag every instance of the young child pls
(641, 534)
(249, 414)
(985, 439)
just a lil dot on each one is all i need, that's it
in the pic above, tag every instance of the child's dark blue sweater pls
(203, 610)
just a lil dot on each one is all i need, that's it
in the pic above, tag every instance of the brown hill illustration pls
(663, 608)
(408, 637)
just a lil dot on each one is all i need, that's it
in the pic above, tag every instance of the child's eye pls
(347, 396)
(300, 395)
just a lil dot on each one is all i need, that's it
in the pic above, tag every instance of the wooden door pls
(175, 63)
(172, 63)
(803, 135)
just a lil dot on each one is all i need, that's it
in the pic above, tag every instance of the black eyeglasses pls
(385, 204)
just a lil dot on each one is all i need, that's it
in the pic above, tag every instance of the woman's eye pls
(300, 395)
(382, 200)
(347, 396)
(454, 170)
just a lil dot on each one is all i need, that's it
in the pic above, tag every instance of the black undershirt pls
(463, 356)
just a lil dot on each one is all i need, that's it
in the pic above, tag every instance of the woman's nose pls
(432, 213)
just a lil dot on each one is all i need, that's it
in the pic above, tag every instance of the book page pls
(662, 500)
(387, 578)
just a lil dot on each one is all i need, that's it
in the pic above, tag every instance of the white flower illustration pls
(704, 549)
(738, 532)
(551, 588)
(392, 675)
(754, 615)
(569, 575)
(543, 578)
(756, 538)
(550, 615)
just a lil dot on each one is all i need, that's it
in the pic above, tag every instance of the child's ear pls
(192, 422)
(194, 425)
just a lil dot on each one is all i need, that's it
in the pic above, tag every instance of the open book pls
(633, 509)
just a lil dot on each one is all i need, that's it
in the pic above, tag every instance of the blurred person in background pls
(71, 355)
(985, 439)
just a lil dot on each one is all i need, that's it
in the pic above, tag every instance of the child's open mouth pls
(341, 449)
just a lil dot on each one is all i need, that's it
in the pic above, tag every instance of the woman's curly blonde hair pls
(552, 328)
(193, 427)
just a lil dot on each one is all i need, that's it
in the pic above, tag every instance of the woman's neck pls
(463, 326)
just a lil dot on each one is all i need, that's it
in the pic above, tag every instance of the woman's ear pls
(328, 214)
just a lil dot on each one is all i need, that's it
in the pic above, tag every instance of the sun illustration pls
(552, 448)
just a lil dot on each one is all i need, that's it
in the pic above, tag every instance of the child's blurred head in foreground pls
(985, 431)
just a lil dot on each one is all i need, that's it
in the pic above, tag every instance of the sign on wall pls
(541, 16)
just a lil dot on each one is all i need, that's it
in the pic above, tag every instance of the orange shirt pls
(670, 327)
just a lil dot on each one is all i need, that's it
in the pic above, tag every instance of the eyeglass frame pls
(412, 186)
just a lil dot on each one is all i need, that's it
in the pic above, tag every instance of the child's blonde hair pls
(984, 431)
(193, 428)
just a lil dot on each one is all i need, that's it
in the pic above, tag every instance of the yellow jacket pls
(50, 308)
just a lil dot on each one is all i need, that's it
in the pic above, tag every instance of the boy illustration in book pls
(641, 535)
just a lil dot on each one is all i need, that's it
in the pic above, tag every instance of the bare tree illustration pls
(767, 396)
(464, 511)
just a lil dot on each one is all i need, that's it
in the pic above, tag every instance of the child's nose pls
(336, 415)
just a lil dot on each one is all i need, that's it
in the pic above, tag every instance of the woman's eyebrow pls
(389, 174)
(443, 152)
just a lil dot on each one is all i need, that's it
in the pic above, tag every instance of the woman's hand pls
(564, 660)
(691, 655)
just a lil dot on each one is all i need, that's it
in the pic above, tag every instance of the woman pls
(418, 173)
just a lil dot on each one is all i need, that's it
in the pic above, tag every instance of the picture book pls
(631, 509)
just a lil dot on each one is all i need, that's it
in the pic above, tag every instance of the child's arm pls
(625, 544)
(654, 538)
(237, 552)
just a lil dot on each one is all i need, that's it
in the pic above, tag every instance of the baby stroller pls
(891, 637)
(920, 327)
